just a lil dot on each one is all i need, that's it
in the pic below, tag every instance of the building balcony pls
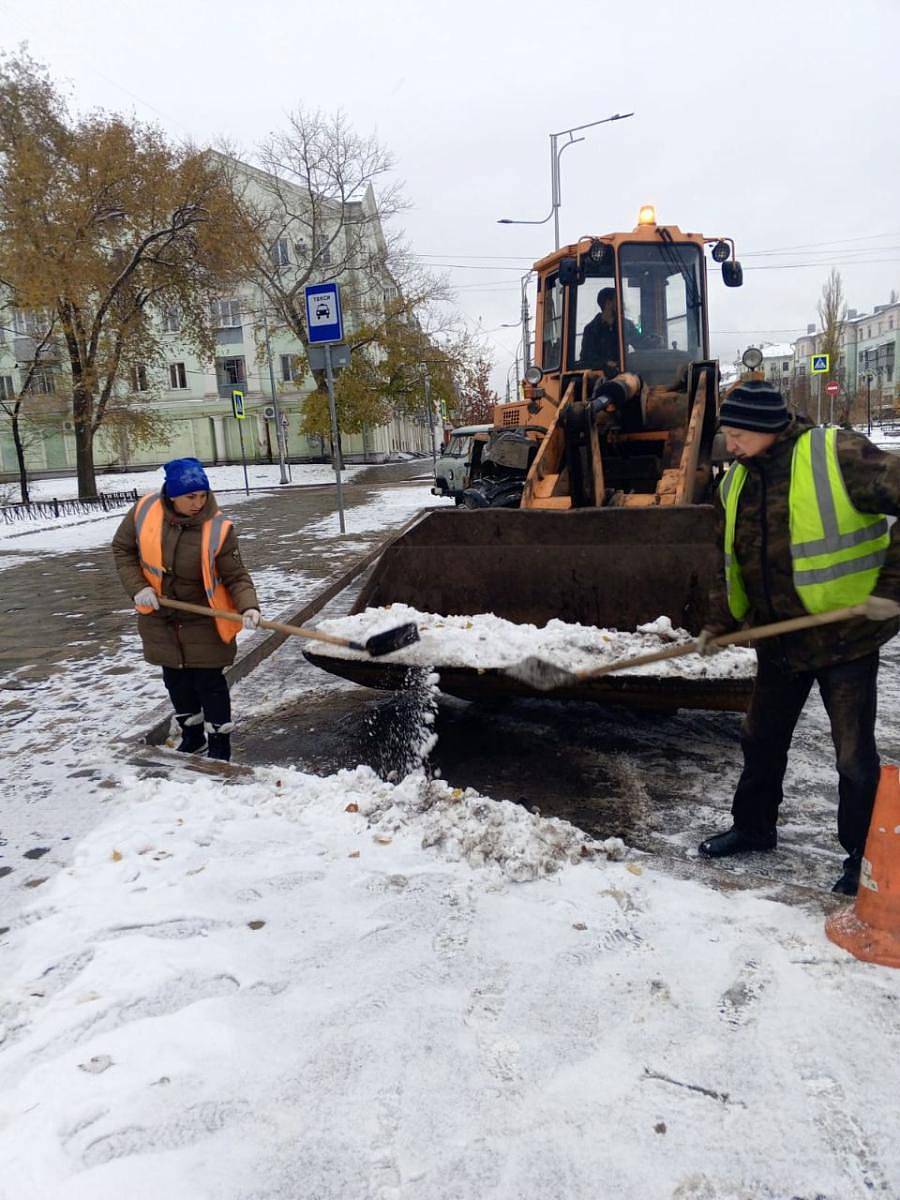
(25, 348)
(232, 335)
(226, 387)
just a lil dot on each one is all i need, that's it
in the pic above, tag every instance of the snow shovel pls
(546, 676)
(376, 646)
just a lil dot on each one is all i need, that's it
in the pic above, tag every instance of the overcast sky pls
(775, 123)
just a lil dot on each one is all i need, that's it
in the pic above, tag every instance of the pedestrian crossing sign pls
(819, 364)
(237, 404)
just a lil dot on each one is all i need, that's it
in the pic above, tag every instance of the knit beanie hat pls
(755, 405)
(185, 475)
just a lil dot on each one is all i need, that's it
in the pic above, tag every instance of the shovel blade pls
(380, 644)
(543, 676)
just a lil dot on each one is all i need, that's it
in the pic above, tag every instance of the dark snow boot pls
(193, 737)
(848, 884)
(733, 841)
(219, 737)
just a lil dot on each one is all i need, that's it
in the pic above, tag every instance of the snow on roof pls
(781, 350)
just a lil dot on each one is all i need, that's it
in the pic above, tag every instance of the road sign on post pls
(832, 388)
(324, 327)
(818, 364)
(324, 321)
(237, 407)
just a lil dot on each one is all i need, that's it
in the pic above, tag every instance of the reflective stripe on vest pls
(729, 494)
(215, 531)
(836, 550)
(149, 513)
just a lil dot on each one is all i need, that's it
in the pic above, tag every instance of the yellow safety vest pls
(837, 551)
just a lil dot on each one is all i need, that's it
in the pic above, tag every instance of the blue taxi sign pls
(324, 320)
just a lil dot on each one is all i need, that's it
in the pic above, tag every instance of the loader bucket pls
(608, 567)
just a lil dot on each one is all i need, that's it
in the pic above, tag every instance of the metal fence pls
(105, 502)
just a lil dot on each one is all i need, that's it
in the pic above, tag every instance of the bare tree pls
(18, 406)
(318, 209)
(832, 313)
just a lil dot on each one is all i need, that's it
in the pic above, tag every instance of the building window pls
(177, 376)
(280, 256)
(322, 251)
(233, 370)
(172, 320)
(288, 373)
(139, 378)
(7, 390)
(226, 314)
(30, 322)
(785, 367)
(43, 382)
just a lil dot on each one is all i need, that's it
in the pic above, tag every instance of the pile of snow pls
(459, 824)
(489, 642)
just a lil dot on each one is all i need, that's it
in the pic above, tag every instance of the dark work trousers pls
(196, 689)
(849, 694)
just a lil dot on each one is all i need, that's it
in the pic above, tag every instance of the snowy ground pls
(271, 986)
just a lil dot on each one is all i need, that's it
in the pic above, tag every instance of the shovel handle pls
(224, 614)
(730, 639)
(789, 626)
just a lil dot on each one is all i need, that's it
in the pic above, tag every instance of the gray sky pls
(775, 123)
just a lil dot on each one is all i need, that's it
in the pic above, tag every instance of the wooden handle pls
(730, 639)
(793, 623)
(224, 615)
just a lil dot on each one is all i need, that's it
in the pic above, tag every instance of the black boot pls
(733, 841)
(193, 738)
(219, 737)
(848, 884)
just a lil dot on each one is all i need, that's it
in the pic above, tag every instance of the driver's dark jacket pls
(600, 343)
(762, 545)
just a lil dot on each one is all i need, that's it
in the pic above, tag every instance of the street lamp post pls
(280, 437)
(555, 154)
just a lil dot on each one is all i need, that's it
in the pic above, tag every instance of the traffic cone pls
(870, 929)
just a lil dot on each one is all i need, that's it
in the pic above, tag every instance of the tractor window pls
(553, 323)
(662, 303)
(596, 329)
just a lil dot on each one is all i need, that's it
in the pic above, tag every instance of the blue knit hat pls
(185, 475)
(755, 405)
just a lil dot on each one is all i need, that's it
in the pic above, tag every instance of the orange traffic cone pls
(870, 929)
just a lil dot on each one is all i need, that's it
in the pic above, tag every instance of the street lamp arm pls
(591, 124)
(511, 221)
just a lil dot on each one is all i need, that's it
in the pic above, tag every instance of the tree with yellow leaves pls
(105, 225)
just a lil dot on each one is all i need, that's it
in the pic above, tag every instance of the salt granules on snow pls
(486, 641)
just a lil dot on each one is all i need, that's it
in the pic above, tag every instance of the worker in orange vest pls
(176, 543)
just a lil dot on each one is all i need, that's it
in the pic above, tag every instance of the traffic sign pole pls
(237, 407)
(336, 445)
(279, 430)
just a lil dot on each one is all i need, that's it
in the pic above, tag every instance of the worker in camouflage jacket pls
(802, 529)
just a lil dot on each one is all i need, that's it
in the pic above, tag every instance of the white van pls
(451, 470)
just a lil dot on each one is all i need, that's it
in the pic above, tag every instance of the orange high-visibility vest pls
(148, 523)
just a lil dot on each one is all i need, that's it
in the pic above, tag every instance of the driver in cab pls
(600, 340)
